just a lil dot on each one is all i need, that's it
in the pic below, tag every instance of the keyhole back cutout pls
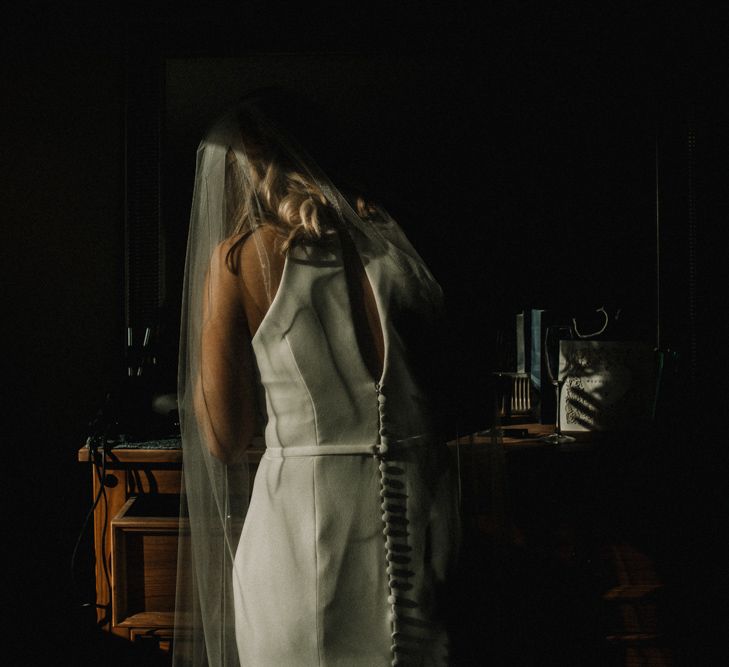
(365, 316)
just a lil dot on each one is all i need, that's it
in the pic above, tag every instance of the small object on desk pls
(545, 403)
(515, 432)
(507, 432)
(552, 337)
(523, 343)
(513, 396)
(610, 385)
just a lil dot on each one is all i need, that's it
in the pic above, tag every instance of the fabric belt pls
(340, 450)
(320, 450)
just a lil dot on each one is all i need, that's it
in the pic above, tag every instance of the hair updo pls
(269, 188)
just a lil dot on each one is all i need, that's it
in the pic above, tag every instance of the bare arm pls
(224, 398)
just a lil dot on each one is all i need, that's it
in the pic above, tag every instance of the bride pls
(306, 310)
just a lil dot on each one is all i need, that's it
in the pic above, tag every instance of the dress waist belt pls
(340, 450)
(320, 450)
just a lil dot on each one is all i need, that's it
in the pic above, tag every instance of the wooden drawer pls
(144, 544)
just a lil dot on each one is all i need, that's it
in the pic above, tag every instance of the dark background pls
(517, 149)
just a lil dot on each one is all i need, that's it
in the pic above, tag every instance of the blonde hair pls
(268, 190)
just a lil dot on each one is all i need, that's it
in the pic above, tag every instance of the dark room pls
(364, 335)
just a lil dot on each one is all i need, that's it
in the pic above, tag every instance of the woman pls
(311, 313)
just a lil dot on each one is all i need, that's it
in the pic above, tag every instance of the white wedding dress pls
(349, 530)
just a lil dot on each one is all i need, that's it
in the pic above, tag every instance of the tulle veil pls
(215, 488)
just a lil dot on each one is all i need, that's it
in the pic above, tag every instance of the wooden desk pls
(559, 555)
(535, 431)
(136, 537)
(545, 490)
(136, 527)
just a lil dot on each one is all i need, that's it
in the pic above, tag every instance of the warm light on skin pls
(224, 395)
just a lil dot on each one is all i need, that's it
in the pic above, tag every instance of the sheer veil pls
(234, 252)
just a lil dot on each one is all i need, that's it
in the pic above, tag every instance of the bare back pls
(260, 280)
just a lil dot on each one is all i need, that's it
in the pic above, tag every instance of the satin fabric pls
(350, 527)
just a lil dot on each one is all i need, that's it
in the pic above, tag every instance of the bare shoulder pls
(252, 264)
(266, 238)
(241, 251)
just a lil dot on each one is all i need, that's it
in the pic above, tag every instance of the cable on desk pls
(97, 440)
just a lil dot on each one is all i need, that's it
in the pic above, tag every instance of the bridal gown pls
(346, 542)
